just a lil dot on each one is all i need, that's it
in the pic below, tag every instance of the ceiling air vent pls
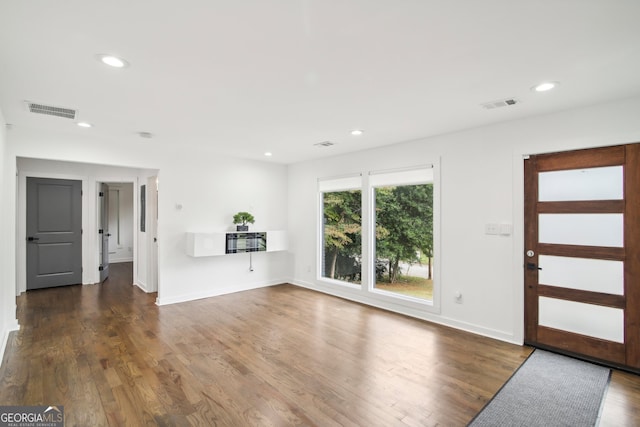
(50, 110)
(500, 103)
(147, 135)
(324, 144)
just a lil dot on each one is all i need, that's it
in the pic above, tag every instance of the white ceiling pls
(248, 76)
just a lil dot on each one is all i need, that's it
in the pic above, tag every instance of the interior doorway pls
(582, 253)
(90, 175)
(116, 227)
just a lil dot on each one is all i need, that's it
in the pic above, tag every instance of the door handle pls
(32, 239)
(532, 266)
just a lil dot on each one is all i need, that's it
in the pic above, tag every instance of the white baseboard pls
(429, 317)
(5, 339)
(117, 260)
(141, 285)
(216, 292)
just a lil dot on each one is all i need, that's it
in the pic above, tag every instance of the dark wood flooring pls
(277, 356)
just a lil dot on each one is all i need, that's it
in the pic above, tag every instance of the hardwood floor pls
(276, 356)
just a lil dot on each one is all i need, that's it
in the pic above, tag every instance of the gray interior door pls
(103, 231)
(54, 232)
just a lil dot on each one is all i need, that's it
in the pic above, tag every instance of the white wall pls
(210, 189)
(481, 182)
(8, 320)
(121, 222)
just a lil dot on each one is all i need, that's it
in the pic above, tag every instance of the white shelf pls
(214, 244)
(277, 241)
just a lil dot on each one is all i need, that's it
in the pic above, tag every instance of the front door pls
(103, 230)
(582, 253)
(54, 232)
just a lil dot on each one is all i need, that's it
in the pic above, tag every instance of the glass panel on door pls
(586, 319)
(581, 184)
(594, 275)
(581, 229)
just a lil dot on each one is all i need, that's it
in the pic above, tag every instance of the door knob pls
(532, 266)
(32, 239)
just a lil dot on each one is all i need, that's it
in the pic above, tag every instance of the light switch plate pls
(492, 229)
(506, 229)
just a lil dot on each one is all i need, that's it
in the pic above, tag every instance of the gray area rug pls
(548, 390)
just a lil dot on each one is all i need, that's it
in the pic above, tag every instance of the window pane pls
(342, 236)
(404, 240)
(581, 184)
(581, 229)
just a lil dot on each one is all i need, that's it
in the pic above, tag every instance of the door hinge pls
(100, 268)
(101, 194)
(100, 231)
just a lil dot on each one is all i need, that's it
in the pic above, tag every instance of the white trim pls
(341, 176)
(404, 176)
(334, 282)
(118, 260)
(341, 183)
(142, 286)
(403, 169)
(5, 339)
(418, 314)
(518, 246)
(217, 292)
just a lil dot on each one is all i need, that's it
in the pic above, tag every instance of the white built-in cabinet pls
(214, 244)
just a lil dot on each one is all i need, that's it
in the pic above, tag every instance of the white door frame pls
(151, 227)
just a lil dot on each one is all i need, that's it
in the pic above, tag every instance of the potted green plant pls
(242, 219)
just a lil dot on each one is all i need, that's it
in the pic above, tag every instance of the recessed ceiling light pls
(357, 132)
(84, 124)
(113, 61)
(545, 86)
(268, 154)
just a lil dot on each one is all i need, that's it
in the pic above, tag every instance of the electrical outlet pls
(458, 297)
